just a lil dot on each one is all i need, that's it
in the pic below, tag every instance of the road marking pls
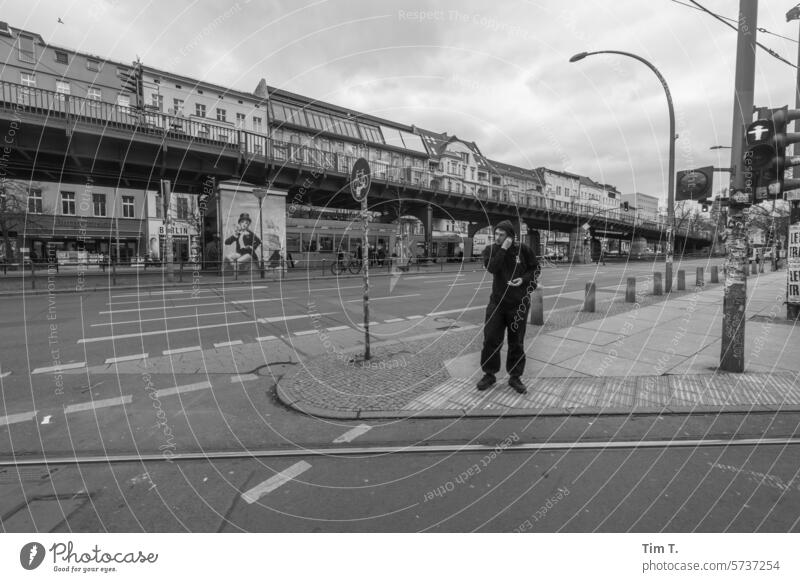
(339, 328)
(195, 315)
(46, 419)
(352, 433)
(192, 291)
(290, 317)
(15, 418)
(266, 338)
(338, 288)
(481, 284)
(174, 351)
(415, 317)
(119, 359)
(379, 298)
(271, 484)
(191, 305)
(244, 378)
(395, 320)
(435, 313)
(307, 332)
(182, 389)
(5, 374)
(228, 344)
(95, 404)
(416, 277)
(62, 367)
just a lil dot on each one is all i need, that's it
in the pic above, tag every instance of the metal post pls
(715, 274)
(657, 288)
(537, 307)
(681, 280)
(261, 232)
(793, 309)
(630, 290)
(589, 299)
(735, 298)
(365, 266)
(699, 278)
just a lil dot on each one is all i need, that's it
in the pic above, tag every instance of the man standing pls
(246, 242)
(516, 273)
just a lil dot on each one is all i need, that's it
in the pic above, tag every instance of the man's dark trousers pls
(502, 319)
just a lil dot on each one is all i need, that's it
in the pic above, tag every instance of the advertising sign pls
(793, 264)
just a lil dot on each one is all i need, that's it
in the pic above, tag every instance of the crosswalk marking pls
(59, 368)
(228, 344)
(15, 418)
(174, 351)
(352, 433)
(119, 359)
(254, 494)
(181, 389)
(95, 404)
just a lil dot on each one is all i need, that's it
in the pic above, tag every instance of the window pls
(199, 110)
(177, 106)
(35, 201)
(68, 203)
(123, 101)
(371, 133)
(27, 79)
(99, 204)
(318, 121)
(293, 242)
(257, 124)
(325, 244)
(158, 203)
(127, 206)
(182, 208)
(63, 88)
(94, 94)
(286, 113)
(221, 114)
(157, 101)
(61, 57)
(92, 64)
(240, 119)
(27, 51)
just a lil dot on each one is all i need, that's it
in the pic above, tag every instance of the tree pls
(14, 215)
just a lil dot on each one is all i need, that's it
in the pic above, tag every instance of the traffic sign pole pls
(360, 182)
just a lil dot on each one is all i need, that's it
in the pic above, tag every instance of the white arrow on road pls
(352, 434)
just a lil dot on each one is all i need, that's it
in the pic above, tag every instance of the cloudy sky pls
(496, 73)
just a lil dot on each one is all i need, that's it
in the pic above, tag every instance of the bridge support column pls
(575, 251)
(428, 224)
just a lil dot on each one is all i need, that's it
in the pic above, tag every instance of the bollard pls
(715, 274)
(761, 267)
(235, 269)
(114, 273)
(698, 281)
(753, 268)
(537, 307)
(33, 276)
(681, 280)
(180, 272)
(657, 284)
(630, 291)
(589, 299)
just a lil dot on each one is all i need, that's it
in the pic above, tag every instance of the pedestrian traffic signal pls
(625, 206)
(765, 160)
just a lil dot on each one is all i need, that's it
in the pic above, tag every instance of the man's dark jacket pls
(505, 265)
(249, 242)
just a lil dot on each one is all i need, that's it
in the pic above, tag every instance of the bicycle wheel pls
(355, 267)
(337, 268)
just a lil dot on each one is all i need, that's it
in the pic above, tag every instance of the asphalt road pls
(102, 407)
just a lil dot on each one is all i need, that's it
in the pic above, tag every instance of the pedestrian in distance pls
(515, 273)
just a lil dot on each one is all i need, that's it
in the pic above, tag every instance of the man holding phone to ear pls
(516, 272)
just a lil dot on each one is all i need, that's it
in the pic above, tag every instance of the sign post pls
(360, 182)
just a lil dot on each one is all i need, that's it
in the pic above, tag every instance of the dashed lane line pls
(192, 291)
(266, 338)
(449, 311)
(195, 315)
(95, 404)
(352, 433)
(395, 320)
(193, 305)
(228, 344)
(181, 389)
(244, 378)
(271, 484)
(15, 418)
(175, 351)
(383, 298)
(5, 374)
(306, 332)
(131, 358)
(59, 368)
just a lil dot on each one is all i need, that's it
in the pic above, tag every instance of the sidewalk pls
(657, 356)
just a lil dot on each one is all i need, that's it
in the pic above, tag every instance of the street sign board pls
(793, 195)
(360, 179)
(793, 264)
(695, 184)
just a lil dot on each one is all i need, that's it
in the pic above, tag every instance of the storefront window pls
(325, 244)
(309, 243)
(293, 242)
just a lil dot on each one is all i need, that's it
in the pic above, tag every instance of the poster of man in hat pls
(245, 241)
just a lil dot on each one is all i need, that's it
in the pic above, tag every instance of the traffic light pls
(625, 206)
(765, 157)
(131, 79)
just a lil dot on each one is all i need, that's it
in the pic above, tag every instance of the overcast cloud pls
(496, 73)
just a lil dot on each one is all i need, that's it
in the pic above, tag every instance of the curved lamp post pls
(672, 136)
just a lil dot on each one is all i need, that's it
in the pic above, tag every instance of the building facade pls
(646, 206)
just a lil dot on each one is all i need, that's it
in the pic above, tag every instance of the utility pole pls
(793, 309)
(735, 301)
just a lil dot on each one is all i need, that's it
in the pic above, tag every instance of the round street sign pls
(360, 179)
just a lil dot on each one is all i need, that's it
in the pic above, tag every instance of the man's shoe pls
(486, 382)
(517, 385)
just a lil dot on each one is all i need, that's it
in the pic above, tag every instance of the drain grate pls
(25, 475)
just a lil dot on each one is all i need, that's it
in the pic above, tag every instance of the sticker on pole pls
(360, 179)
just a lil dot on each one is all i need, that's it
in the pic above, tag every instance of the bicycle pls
(341, 266)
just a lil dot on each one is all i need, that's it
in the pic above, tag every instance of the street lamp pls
(672, 137)
(259, 193)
